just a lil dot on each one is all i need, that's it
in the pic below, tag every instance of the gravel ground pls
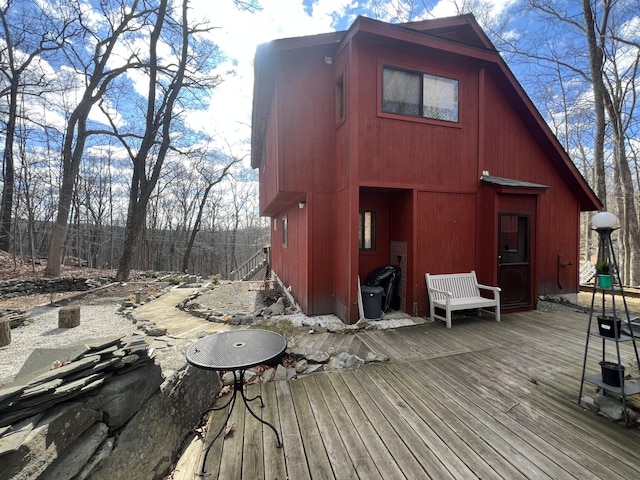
(96, 321)
(233, 297)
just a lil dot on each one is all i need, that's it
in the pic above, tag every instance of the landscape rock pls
(373, 357)
(336, 327)
(610, 407)
(153, 330)
(363, 324)
(53, 434)
(344, 360)
(102, 453)
(250, 376)
(76, 456)
(35, 285)
(280, 374)
(314, 367)
(314, 356)
(301, 365)
(227, 379)
(123, 396)
(278, 307)
(268, 374)
(147, 445)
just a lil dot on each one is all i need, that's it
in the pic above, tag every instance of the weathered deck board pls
(293, 449)
(316, 452)
(331, 436)
(381, 456)
(253, 455)
(274, 460)
(481, 400)
(233, 443)
(358, 453)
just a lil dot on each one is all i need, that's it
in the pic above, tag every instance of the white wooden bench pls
(459, 291)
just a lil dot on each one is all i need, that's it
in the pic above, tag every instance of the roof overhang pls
(507, 184)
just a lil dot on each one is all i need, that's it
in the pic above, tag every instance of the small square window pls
(340, 99)
(284, 231)
(367, 231)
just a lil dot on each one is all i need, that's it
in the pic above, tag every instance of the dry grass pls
(633, 302)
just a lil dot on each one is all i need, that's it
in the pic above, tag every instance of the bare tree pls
(29, 32)
(212, 175)
(117, 20)
(165, 85)
(595, 38)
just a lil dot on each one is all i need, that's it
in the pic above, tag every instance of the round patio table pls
(236, 351)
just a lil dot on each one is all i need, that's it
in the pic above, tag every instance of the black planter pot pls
(606, 327)
(610, 374)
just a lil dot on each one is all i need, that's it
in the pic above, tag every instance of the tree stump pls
(68, 317)
(5, 332)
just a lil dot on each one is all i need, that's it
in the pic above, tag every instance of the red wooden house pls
(412, 145)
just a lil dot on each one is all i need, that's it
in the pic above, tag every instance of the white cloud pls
(238, 34)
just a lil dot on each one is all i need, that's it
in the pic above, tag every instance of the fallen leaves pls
(230, 427)
(224, 390)
(58, 364)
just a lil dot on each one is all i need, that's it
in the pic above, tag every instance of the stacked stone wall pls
(106, 409)
(33, 285)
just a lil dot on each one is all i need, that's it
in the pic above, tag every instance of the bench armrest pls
(436, 290)
(487, 287)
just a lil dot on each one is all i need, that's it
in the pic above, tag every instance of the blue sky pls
(229, 115)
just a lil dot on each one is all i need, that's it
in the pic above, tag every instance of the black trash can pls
(372, 301)
(387, 277)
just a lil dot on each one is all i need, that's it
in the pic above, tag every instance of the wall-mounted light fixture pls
(302, 204)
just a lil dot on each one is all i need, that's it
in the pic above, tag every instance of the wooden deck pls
(480, 400)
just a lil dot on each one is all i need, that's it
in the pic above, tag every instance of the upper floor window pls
(340, 99)
(419, 95)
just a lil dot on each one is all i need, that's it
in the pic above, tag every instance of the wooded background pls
(103, 160)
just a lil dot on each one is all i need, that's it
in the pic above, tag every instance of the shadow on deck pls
(480, 400)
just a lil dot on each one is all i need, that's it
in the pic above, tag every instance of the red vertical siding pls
(290, 261)
(270, 170)
(322, 252)
(511, 152)
(446, 236)
(306, 97)
(413, 151)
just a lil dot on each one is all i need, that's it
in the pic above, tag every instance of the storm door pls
(514, 259)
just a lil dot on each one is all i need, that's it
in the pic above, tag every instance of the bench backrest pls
(461, 285)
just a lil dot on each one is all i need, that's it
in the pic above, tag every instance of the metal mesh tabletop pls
(237, 349)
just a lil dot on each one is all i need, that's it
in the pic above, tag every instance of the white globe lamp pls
(604, 221)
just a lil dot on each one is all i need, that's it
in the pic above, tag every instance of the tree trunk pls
(196, 229)
(6, 207)
(71, 166)
(595, 67)
(158, 122)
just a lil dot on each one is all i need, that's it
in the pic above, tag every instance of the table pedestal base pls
(238, 386)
